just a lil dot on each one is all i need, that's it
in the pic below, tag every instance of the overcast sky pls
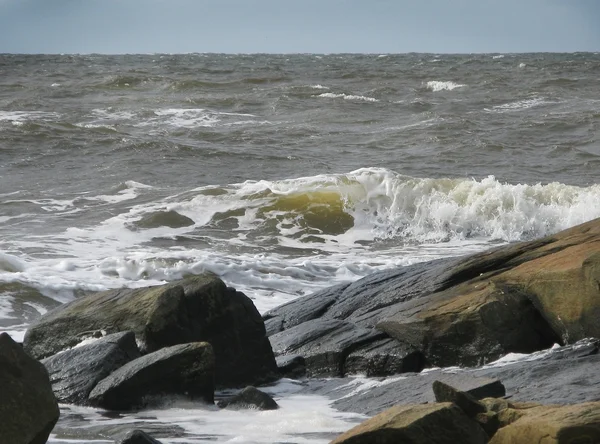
(288, 26)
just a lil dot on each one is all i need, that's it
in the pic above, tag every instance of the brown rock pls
(573, 424)
(446, 393)
(442, 423)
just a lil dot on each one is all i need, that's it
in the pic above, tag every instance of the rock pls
(442, 423)
(384, 357)
(410, 389)
(291, 366)
(468, 311)
(447, 393)
(579, 423)
(75, 372)
(138, 437)
(324, 344)
(184, 369)
(171, 219)
(28, 407)
(196, 309)
(249, 398)
(489, 422)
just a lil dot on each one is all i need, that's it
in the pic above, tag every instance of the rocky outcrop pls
(199, 308)
(442, 423)
(466, 420)
(185, 369)
(75, 372)
(249, 398)
(28, 407)
(459, 311)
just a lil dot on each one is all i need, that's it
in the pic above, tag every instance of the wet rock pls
(75, 372)
(291, 366)
(384, 357)
(409, 389)
(324, 344)
(468, 311)
(198, 308)
(28, 407)
(138, 437)
(442, 423)
(249, 398)
(579, 423)
(171, 219)
(446, 393)
(184, 369)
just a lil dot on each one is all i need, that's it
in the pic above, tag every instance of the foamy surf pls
(437, 85)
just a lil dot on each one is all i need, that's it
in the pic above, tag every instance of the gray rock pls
(324, 344)
(446, 393)
(249, 398)
(185, 369)
(198, 308)
(138, 437)
(291, 366)
(75, 372)
(384, 357)
(28, 407)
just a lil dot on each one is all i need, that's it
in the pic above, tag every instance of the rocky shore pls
(125, 349)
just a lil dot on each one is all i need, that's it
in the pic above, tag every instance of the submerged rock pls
(442, 423)
(171, 219)
(463, 311)
(138, 437)
(185, 369)
(75, 372)
(28, 408)
(249, 398)
(195, 309)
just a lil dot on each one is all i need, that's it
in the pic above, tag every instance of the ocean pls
(283, 174)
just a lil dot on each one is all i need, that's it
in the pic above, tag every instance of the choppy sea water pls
(283, 174)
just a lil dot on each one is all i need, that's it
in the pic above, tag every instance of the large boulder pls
(28, 407)
(579, 423)
(466, 311)
(138, 437)
(442, 423)
(184, 369)
(198, 308)
(75, 372)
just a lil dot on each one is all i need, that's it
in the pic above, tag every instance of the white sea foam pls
(393, 220)
(300, 419)
(317, 86)
(436, 85)
(19, 117)
(522, 65)
(519, 105)
(347, 97)
(499, 56)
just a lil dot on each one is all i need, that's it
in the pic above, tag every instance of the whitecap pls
(347, 97)
(436, 85)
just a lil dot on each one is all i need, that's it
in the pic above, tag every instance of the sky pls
(298, 26)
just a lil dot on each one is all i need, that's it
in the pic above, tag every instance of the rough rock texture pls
(28, 407)
(199, 308)
(75, 372)
(463, 311)
(409, 389)
(442, 423)
(249, 398)
(324, 344)
(567, 375)
(446, 393)
(573, 424)
(138, 437)
(185, 369)
(291, 366)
